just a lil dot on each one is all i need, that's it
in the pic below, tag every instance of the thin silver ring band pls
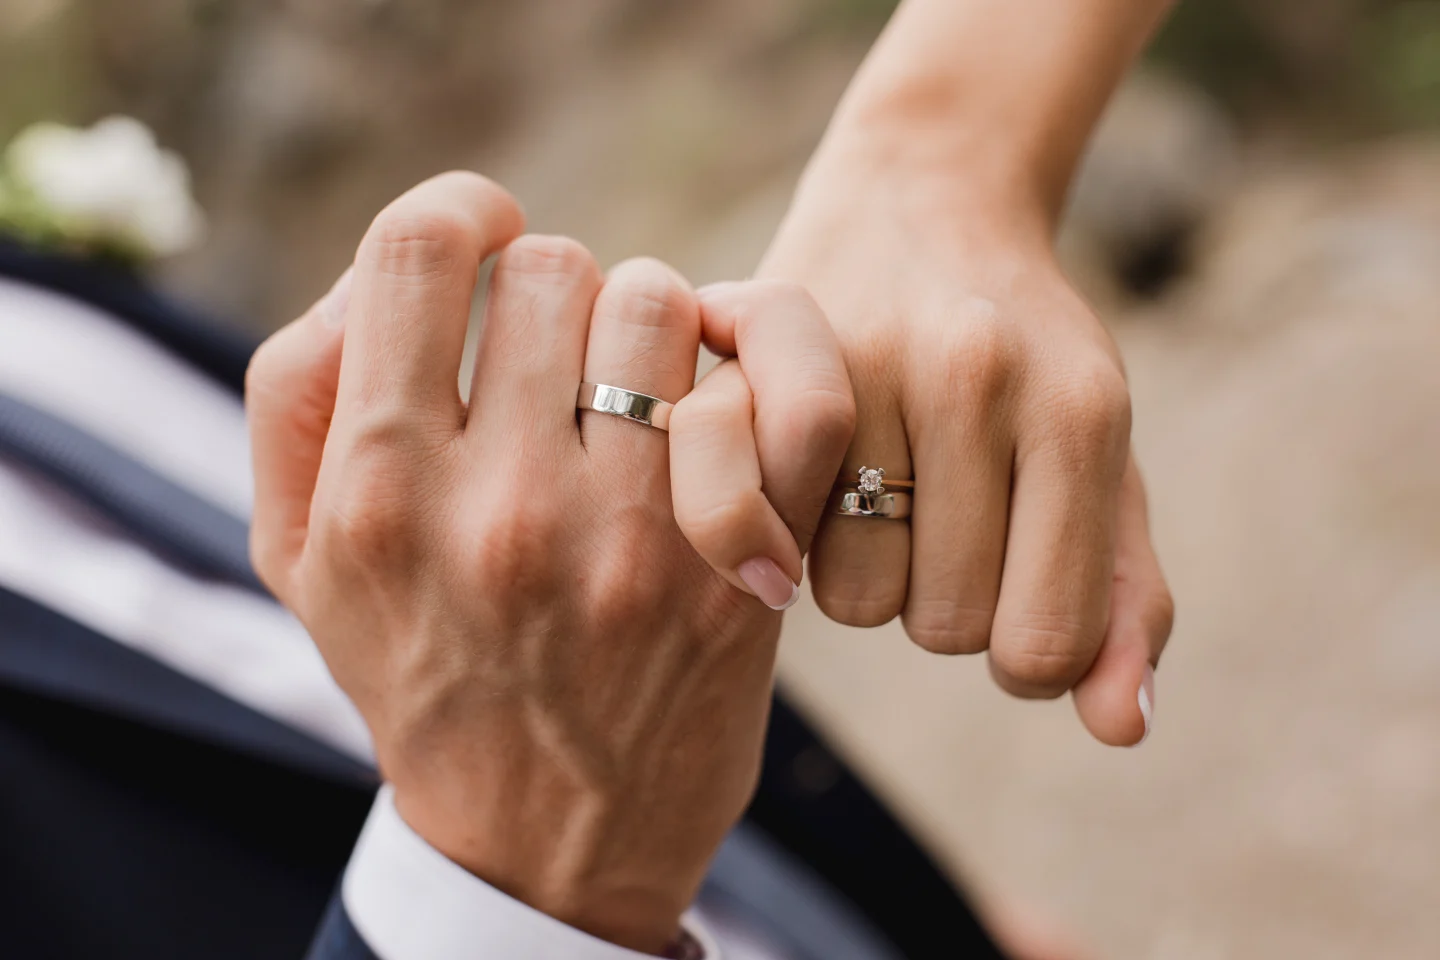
(881, 506)
(626, 404)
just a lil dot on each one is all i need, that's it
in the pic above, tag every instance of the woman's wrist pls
(969, 199)
(996, 96)
(919, 127)
(959, 173)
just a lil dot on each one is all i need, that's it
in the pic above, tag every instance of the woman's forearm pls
(1004, 92)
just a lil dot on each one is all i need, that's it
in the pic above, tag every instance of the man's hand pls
(569, 702)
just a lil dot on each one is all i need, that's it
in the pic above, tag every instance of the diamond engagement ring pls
(871, 495)
(625, 404)
(872, 480)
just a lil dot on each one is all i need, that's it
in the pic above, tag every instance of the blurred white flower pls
(109, 185)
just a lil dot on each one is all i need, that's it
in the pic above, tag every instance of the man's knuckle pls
(617, 604)
(646, 292)
(421, 244)
(387, 435)
(624, 580)
(376, 504)
(548, 257)
(508, 550)
(619, 599)
(369, 520)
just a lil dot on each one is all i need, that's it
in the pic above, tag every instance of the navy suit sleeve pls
(337, 938)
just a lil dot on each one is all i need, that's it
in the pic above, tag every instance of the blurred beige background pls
(1259, 220)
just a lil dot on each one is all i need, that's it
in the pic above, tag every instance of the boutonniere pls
(108, 191)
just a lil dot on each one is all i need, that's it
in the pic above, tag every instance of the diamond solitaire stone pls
(872, 481)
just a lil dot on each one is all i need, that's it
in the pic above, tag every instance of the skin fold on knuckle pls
(852, 611)
(823, 425)
(713, 409)
(374, 514)
(948, 628)
(853, 598)
(421, 245)
(703, 426)
(547, 259)
(507, 552)
(367, 526)
(645, 292)
(624, 586)
(978, 363)
(1042, 656)
(1087, 410)
(388, 434)
(725, 529)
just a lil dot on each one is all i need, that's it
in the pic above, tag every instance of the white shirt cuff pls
(409, 902)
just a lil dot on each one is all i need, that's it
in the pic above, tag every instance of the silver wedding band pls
(626, 404)
(883, 506)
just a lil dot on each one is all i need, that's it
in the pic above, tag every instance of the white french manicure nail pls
(768, 582)
(1146, 698)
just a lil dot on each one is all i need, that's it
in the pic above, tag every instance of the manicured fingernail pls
(768, 582)
(334, 304)
(1146, 697)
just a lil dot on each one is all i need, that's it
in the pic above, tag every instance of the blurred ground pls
(1255, 222)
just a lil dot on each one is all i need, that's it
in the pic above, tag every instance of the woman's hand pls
(924, 227)
(569, 701)
(979, 372)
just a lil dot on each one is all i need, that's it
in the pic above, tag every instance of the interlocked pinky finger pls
(716, 482)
